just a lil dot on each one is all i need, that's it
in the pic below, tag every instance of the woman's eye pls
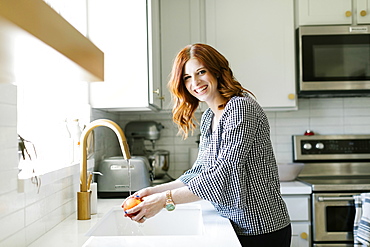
(186, 78)
(202, 72)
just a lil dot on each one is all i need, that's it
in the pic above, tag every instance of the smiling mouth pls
(199, 90)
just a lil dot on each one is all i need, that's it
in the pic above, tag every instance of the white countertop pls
(71, 232)
(295, 188)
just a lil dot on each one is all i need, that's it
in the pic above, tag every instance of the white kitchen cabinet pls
(300, 234)
(181, 24)
(257, 37)
(300, 216)
(333, 12)
(123, 30)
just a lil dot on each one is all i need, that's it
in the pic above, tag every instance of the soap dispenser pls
(94, 193)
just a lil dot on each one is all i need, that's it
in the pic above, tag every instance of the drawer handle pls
(363, 13)
(348, 13)
(323, 198)
(304, 235)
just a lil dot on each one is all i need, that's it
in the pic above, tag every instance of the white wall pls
(25, 212)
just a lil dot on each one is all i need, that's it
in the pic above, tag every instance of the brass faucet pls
(83, 197)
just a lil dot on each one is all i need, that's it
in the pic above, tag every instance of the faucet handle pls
(96, 173)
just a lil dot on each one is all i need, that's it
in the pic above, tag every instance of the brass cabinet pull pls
(363, 13)
(156, 91)
(291, 96)
(304, 235)
(348, 13)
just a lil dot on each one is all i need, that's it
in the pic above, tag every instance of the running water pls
(129, 176)
(140, 225)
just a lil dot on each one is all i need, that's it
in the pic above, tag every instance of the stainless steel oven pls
(333, 216)
(337, 167)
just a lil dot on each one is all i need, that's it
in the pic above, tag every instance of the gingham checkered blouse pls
(236, 169)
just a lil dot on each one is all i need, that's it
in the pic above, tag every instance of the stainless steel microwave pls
(333, 61)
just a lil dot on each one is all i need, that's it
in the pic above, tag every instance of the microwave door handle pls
(323, 198)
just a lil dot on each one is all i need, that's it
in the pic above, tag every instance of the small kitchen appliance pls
(160, 161)
(137, 132)
(121, 179)
(337, 167)
(333, 60)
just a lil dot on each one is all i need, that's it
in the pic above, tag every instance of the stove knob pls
(307, 146)
(319, 145)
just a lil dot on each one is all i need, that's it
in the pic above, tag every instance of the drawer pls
(298, 207)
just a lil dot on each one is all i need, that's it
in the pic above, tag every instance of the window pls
(48, 99)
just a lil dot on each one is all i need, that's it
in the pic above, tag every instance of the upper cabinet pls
(257, 37)
(127, 32)
(333, 12)
(140, 40)
(181, 23)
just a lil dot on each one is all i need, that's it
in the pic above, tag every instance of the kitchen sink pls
(185, 220)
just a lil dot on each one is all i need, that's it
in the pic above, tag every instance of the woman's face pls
(200, 82)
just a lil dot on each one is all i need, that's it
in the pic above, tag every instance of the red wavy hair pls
(184, 103)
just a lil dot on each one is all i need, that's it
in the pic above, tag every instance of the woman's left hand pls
(150, 206)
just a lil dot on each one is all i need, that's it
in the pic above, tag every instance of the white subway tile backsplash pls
(328, 130)
(291, 122)
(359, 111)
(357, 120)
(8, 116)
(35, 230)
(360, 102)
(357, 130)
(11, 202)
(327, 112)
(326, 121)
(8, 94)
(324, 103)
(291, 130)
(8, 137)
(9, 181)
(17, 239)
(17, 223)
(9, 158)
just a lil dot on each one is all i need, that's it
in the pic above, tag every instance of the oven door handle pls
(335, 198)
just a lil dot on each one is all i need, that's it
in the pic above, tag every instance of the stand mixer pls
(139, 131)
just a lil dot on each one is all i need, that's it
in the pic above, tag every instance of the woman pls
(236, 169)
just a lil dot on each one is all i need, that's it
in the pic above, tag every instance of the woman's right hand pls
(139, 194)
(142, 193)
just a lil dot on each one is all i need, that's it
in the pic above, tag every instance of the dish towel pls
(361, 227)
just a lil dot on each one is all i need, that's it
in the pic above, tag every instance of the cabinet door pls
(324, 12)
(182, 23)
(257, 38)
(300, 234)
(298, 207)
(120, 29)
(363, 11)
